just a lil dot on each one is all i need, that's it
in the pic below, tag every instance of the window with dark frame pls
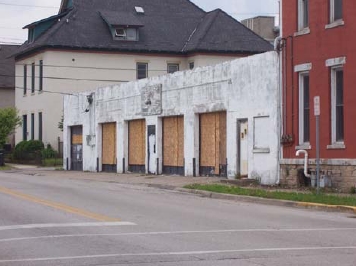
(142, 70)
(40, 126)
(24, 79)
(41, 76)
(339, 123)
(191, 65)
(32, 126)
(24, 127)
(33, 78)
(171, 68)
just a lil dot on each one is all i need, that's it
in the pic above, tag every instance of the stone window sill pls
(336, 146)
(335, 24)
(302, 32)
(305, 146)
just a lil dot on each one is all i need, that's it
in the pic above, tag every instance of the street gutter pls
(274, 202)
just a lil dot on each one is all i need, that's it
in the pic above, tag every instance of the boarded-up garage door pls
(137, 146)
(213, 144)
(109, 147)
(77, 148)
(173, 145)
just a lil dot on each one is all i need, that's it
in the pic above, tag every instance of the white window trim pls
(338, 61)
(301, 11)
(332, 14)
(334, 144)
(335, 24)
(173, 64)
(303, 67)
(302, 32)
(302, 143)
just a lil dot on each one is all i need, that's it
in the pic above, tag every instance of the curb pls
(274, 202)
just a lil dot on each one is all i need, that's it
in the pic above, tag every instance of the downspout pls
(278, 47)
(292, 77)
(305, 161)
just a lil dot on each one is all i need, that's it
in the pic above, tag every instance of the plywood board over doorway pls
(213, 143)
(109, 147)
(173, 145)
(137, 145)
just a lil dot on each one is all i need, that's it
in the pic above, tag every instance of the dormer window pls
(120, 32)
(123, 26)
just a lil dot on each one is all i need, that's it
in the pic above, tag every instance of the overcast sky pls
(14, 15)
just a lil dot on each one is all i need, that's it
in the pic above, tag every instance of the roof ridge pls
(216, 11)
(192, 34)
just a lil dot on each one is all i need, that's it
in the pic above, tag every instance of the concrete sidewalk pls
(172, 182)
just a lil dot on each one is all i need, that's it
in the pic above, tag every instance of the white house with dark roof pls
(7, 79)
(95, 43)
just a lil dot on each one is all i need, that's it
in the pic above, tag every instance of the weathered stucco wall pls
(245, 88)
(68, 72)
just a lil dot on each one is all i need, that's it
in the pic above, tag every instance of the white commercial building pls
(215, 120)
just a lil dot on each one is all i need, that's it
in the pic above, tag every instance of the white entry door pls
(152, 149)
(243, 148)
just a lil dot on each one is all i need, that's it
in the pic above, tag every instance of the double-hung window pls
(337, 104)
(24, 127)
(142, 70)
(303, 14)
(304, 108)
(32, 126)
(40, 126)
(336, 66)
(171, 68)
(41, 76)
(33, 78)
(335, 10)
(24, 79)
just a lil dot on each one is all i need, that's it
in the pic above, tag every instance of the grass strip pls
(52, 162)
(5, 168)
(281, 195)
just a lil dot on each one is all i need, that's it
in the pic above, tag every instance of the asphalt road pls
(51, 220)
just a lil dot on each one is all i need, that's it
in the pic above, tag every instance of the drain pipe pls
(305, 161)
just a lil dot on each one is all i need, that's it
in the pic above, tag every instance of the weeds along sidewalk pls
(304, 199)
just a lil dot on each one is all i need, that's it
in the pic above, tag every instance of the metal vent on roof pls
(139, 10)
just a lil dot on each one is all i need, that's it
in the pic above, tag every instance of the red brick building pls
(318, 53)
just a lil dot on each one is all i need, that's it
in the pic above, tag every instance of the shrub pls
(49, 152)
(27, 150)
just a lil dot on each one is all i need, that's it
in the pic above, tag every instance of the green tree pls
(9, 120)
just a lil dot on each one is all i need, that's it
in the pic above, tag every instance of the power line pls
(73, 79)
(88, 67)
(45, 91)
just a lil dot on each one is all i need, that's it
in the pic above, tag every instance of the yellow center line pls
(58, 206)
